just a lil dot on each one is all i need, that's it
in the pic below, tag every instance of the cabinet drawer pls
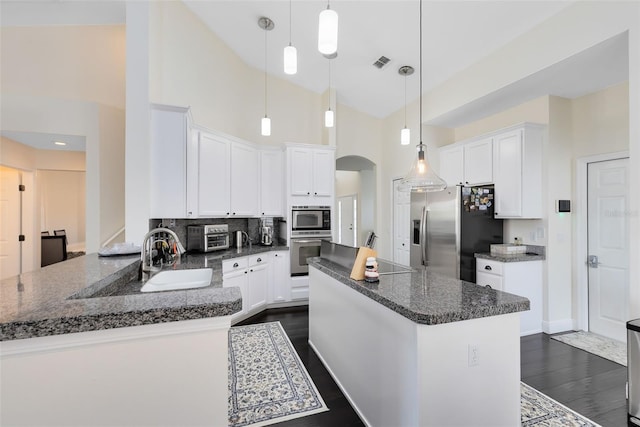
(492, 280)
(234, 264)
(488, 266)
(259, 259)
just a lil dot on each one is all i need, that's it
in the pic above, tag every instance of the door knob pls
(592, 261)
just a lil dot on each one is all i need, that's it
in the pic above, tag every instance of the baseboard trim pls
(556, 326)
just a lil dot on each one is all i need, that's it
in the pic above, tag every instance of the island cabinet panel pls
(397, 372)
(129, 376)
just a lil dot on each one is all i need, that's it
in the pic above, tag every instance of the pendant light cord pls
(265, 72)
(290, 22)
(420, 75)
(329, 84)
(405, 100)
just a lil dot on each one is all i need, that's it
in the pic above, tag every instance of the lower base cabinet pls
(518, 278)
(251, 275)
(280, 278)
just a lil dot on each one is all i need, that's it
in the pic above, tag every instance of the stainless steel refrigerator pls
(448, 227)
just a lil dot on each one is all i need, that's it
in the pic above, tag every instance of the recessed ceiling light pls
(59, 143)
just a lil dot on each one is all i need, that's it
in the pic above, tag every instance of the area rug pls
(267, 381)
(607, 348)
(540, 410)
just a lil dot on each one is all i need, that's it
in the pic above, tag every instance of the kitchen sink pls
(169, 280)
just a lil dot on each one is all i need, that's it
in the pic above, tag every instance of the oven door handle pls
(307, 241)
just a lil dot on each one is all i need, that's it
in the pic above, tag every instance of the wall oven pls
(301, 249)
(310, 221)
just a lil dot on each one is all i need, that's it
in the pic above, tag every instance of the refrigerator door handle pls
(423, 236)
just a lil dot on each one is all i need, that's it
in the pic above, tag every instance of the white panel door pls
(401, 225)
(452, 165)
(608, 240)
(9, 222)
(323, 173)
(347, 221)
(245, 175)
(507, 167)
(478, 162)
(213, 176)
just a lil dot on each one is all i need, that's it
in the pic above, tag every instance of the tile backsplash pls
(249, 225)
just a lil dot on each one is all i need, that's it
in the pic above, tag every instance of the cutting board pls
(357, 272)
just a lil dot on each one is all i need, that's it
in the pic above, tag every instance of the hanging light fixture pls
(290, 52)
(267, 25)
(328, 31)
(405, 133)
(421, 177)
(328, 115)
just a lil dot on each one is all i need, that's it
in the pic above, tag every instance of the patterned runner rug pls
(267, 381)
(540, 410)
(607, 348)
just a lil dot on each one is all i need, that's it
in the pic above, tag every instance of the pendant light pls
(328, 31)
(405, 133)
(290, 52)
(421, 177)
(267, 25)
(328, 115)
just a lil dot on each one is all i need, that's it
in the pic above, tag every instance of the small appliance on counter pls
(266, 231)
(207, 238)
(241, 238)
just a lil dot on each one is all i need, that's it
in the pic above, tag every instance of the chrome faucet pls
(175, 248)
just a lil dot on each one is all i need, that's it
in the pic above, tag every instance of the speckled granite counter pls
(533, 253)
(52, 300)
(428, 298)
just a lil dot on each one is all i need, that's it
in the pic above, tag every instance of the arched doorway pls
(355, 199)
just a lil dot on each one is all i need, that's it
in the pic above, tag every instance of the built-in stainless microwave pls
(310, 220)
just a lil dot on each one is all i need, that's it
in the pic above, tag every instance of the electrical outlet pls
(474, 355)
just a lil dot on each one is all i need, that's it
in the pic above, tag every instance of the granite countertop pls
(532, 253)
(53, 300)
(426, 297)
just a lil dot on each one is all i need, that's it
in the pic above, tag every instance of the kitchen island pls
(72, 353)
(416, 348)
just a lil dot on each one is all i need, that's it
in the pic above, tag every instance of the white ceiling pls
(45, 141)
(456, 34)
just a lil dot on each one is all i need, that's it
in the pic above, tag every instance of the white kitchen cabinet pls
(478, 162)
(452, 165)
(518, 278)
(271, 183)
(468, 163)
(170, 131)
(517, 165)
(251, 274)
(280, 280)
(311, 175)
(245, 170)
(214, 176)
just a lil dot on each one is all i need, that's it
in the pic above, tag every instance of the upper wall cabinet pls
(271, 182)
(517, 171)
(170, 131)
(213, 187)
(311, 175)
(468, 163)
(245, 171)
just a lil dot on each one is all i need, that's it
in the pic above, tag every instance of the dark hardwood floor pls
(588, 384)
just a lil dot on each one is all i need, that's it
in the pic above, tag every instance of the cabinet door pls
(508, 174)
(478, 162)
(492, 280)
(279, 285)
(239, 279)
(245, 169)
(258, 286)
(168, 190)
(213, 176)
(323, 173)
(451, 165)
(271, 183)
(301, 178)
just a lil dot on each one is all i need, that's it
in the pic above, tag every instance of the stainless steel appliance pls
(301, 249)
(207, 238)
(309, 221)
(266, 235)
(449, 226)
(633, 371)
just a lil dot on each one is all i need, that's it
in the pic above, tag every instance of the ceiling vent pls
(381, 62)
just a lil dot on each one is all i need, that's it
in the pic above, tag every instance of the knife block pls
(357, 272)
